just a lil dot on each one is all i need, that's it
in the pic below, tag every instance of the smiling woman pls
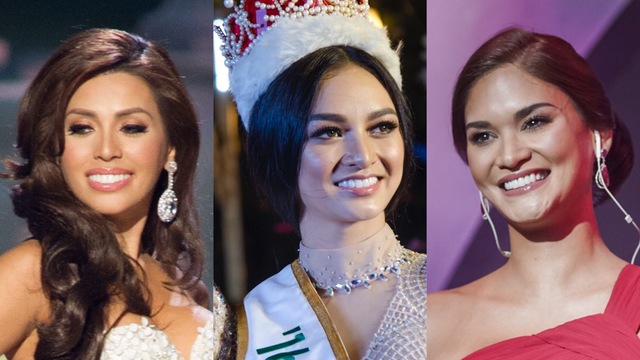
(352, 164)
(535, 126)
(329, 148)
(104, 276)
(115, 146)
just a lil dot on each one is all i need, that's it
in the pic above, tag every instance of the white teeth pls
(358, 183)
(523, 181)
(108, 178)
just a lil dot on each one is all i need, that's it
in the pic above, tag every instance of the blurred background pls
(606, 33)
(250, 242)
(29, 32)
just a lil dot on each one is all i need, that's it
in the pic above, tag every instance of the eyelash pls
(479, 138)
(537, 120)
(532, 124)
(79, 129)
(82, 129)
(384, 127)
(134, 129)
(388, 126)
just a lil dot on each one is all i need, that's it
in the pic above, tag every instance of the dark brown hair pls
(552, 60)
(279, 119)
(83, 267)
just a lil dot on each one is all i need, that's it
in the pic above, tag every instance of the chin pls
(365, 214)
(527, 216)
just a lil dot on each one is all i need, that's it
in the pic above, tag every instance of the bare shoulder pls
(23, 303)
(448, 313)
(447, 304)
(22, 263)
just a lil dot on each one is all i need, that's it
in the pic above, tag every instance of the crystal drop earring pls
(168, 202)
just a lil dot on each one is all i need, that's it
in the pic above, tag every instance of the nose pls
(107, 147)
(359, 151)
(513, 153)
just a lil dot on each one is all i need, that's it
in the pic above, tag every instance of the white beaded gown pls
(145, 341)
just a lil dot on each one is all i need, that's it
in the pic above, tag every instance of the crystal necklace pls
(342, 270)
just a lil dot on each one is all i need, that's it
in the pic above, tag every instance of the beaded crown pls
(261, 38)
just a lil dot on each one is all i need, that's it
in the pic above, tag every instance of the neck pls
(129, 235)
(359, 264)
(319, 234)
(551, 257)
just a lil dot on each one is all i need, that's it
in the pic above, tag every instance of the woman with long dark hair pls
(318, 88)
(109, 142)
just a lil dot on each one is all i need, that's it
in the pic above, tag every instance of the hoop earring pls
(168, 202)
(486, 205)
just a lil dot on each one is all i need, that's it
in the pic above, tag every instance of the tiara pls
(261, 38)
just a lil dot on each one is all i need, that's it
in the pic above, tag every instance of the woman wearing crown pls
(329, 145)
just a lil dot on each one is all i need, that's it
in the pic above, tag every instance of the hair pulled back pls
(552, 60)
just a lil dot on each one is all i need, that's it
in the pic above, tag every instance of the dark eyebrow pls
(330, 117)
(382, 112)
(477, 125)
(125, 112)
(340, 119)
(134, 110)
(519, 115)
(81, 112)
(523, 113)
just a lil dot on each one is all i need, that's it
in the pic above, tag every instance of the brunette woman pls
(109, 143)
(544, 146)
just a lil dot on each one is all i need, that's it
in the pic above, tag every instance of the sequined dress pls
(144, 341)
(285, 316)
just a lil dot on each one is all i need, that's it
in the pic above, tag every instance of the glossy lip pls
(109, 171)
(362, 191)
(525, 189)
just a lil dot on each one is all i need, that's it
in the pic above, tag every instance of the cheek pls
(72, 158)
(479, 164)
(316, 163)
(396, 154)
(154, 154)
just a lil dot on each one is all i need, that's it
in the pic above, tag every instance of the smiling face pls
(115, 145)
(528, 150)
(352, 162)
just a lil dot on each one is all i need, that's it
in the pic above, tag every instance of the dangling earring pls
(486, 206)
(168, 202)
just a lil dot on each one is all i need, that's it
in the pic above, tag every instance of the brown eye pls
(535, 122)
(327, 132)
(134, 129)
(480, 138)
(79, 129)
(385, 127)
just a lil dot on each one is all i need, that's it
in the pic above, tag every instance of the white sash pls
(284, 318)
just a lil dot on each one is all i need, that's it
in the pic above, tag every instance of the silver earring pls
(168, 202)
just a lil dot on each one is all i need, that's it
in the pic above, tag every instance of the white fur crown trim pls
(291, 39)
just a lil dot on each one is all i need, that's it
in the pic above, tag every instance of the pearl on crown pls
(243, 28)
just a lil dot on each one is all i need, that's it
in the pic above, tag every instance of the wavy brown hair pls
(83, 267)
